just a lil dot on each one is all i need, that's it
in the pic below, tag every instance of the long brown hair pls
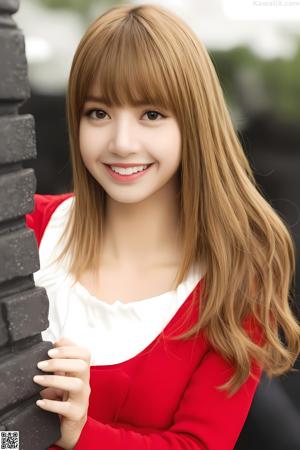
(147, 53)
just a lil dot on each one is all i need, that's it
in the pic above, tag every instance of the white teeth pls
(128, 170)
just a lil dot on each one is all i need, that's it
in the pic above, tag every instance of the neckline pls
(165, 330)
(192, 279)
(116, 303)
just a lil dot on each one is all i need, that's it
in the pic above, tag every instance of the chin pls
(128, 199)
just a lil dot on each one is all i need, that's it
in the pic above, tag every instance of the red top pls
(165, 397)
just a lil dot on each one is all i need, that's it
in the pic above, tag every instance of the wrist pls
(75, 435)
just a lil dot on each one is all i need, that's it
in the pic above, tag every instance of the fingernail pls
(42, 364)
(38, 378)
(40, 402)
(53, 352)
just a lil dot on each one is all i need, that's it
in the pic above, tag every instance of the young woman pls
(168, 274)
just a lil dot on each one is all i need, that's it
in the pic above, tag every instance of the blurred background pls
(258, 64)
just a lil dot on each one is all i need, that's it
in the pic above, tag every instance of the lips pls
(127, 178)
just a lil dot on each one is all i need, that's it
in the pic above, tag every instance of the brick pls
(9, 6)
(14, 83)
(19, 254)
(18, 141)
(16, 285)
(17, 371)
(16, 193)
(38, 429)
(3, 331)
(26, 313)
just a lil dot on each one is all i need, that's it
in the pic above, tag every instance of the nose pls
(125, 136)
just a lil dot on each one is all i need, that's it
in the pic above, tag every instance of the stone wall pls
(24, 307)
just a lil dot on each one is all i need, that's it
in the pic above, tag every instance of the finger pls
(70, 384)
(70, 352)
(66, 409)
(74, 367)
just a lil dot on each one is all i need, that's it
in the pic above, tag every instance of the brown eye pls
(98, 113)
(153, 115)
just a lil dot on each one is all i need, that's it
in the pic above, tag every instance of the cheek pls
(172, 148)
(87, 143)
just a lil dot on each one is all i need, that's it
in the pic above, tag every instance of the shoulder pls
(44, 206)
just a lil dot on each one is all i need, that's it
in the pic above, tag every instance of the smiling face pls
(143, 134)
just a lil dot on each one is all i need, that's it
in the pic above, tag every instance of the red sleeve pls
(205, 419)
(44, 205)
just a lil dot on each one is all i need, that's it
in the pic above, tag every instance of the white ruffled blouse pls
(112, 332)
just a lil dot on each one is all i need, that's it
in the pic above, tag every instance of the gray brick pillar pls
(24, 307)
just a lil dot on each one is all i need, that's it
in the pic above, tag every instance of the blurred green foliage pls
(69, 4)
(279, 77)
(81, 6)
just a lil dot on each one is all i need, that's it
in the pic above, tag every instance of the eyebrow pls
(94, 98)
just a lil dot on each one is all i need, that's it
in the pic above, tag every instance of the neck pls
(144, 234)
